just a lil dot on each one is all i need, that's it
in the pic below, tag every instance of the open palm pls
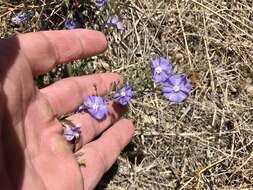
(33, 152)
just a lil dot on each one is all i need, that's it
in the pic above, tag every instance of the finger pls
(44, 50)
(91, 128)
(66, 95)
(99, 155)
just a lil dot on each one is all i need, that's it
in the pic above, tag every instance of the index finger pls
(44, 50)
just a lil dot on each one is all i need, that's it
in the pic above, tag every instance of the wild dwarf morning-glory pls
(21, 17)
(124, 95)
(71, 133)
(100, 3)
(161, 69)
(71, 24)
(96, 106)
(114, 21)
(176, 88)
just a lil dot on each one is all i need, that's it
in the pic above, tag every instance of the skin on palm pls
(35, 152)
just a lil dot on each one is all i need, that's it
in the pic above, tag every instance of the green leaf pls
(66, 2)
(81, 162)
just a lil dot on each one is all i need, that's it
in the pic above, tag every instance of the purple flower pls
(176, 88)
(161, 69)
(114, 21)
(71, 133)
(96, 106)
(124, 95)
(100, 3)
(71, 24)
(21, 17)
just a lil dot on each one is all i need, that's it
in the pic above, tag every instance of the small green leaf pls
(66, 2)
(81, 162)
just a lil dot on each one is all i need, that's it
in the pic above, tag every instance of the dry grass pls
(207, 141)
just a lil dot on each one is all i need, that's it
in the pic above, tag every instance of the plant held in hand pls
(96, 106)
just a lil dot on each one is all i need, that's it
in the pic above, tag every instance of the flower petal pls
(89, 101)
(114, 20)
(176, 79)
(100, 2)
(120, 26)
(155, 63)
(69, 134)
(167, 89)
(176, 97)
(99, 114)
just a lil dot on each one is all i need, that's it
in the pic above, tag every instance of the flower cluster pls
(112, 21)
(176, 88)
(98, 106)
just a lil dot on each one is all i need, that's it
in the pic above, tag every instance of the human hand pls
(33, 152)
